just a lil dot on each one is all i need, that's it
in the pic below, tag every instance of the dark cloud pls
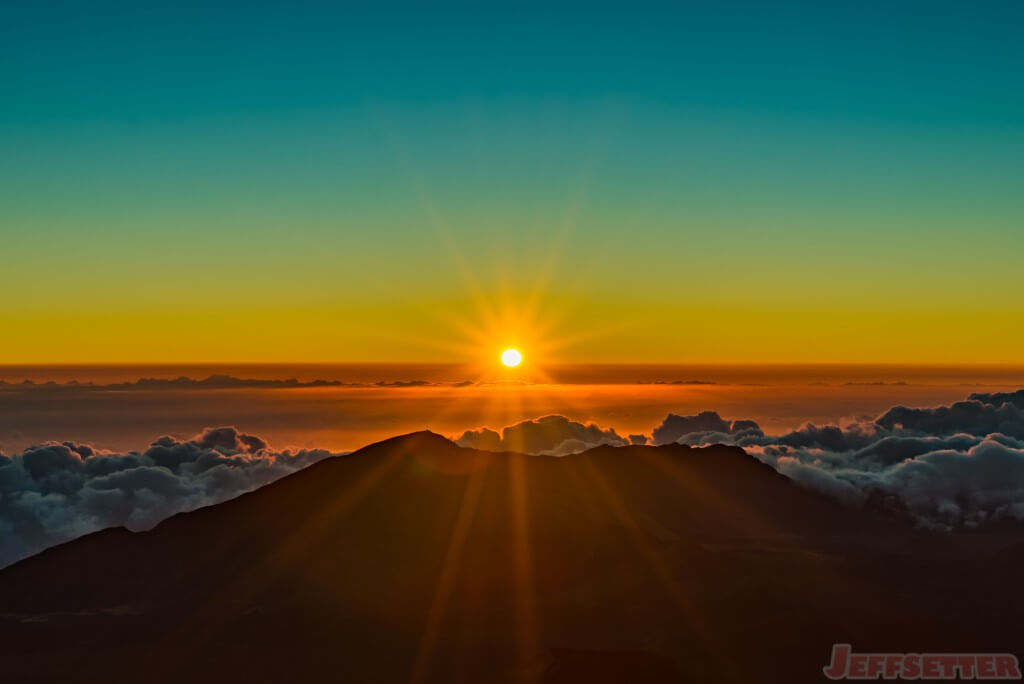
(878, 383)
(973, 417)
(831, 437)
(230, 439)
(675, 427)
(677, 382)
(214, 382)
(183, 382)
(1000, 398)
(57, 491)
(550, 435)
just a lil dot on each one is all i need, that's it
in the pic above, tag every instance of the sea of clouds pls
(61, 490)
(946, 467)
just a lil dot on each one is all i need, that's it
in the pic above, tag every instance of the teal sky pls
(332, 181)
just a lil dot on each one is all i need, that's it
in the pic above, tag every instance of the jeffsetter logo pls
(849, 665)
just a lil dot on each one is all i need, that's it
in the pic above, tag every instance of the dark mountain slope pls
(416, 560)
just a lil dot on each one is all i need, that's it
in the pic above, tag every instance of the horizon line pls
(1019, 365)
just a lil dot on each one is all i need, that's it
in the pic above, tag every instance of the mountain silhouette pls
(416, 560)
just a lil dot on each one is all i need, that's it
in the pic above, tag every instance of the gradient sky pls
(668, 182)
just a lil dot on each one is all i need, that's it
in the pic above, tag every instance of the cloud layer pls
(60, 490)
(952, 466)
(213, 382)
(946, 467)
(550, 436)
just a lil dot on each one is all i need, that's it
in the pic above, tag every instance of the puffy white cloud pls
(940, 489)
(945, 466)
(57, 491)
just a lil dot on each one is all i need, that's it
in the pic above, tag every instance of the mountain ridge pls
(415, 559)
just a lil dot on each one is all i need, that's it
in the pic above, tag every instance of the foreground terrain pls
(417, 560)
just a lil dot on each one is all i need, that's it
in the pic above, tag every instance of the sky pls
(677, 182)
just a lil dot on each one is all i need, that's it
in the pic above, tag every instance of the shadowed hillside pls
(417, 560)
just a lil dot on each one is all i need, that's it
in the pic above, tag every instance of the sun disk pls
(511, 357)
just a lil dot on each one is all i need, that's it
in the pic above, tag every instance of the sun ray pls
(527, 625)
(450, 569)
(667, 579)
(272, 567)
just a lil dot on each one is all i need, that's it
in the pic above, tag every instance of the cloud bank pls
(549, 436)
(675, 427)
(61, 490)
(946, 467)
(952, 466)
(213, 382)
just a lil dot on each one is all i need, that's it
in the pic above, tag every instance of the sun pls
(511, 358)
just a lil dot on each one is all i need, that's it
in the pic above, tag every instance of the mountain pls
(416, 560)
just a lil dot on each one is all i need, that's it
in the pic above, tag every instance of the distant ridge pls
(213, 382)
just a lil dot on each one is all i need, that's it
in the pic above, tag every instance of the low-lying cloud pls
(60, 490)
(674, 427)
(213, 382)
(549, 436)
(952, 466)
(946, 467)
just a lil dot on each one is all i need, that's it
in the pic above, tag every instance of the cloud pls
(974, 416)
(550, 435)
(960, 465)
(183, 382)
(677, 382)
(214, 382)
(1000, 398)
(941, 489)
(54, 492)
(675, 427)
